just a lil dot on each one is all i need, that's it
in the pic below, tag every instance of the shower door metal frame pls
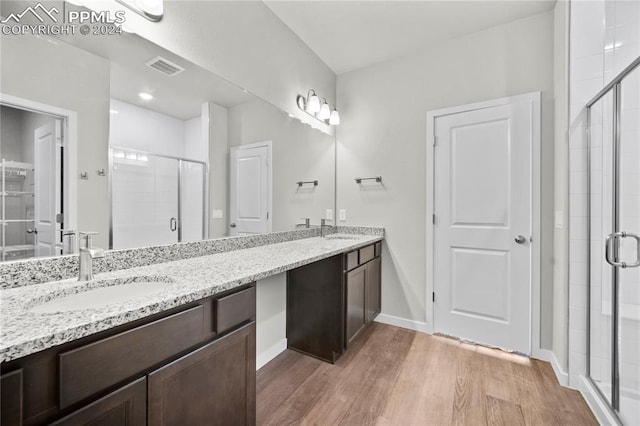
(180, 160)
(615, 86)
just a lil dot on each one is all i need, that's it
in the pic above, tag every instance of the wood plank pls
(501, 412)
(393, 376)
(373, 393)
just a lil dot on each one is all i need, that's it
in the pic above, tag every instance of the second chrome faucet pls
(324, 226)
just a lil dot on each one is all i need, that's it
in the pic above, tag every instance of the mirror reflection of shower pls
(31, 195)
(158, 176)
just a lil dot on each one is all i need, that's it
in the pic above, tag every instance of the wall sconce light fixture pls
(319, 110)
(150, 9)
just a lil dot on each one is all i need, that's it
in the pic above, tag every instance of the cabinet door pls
(215, 384)
(356, 290)
(373, 288)
(125, 407)
(11, 398)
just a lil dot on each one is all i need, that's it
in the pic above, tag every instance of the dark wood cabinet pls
(330, 302)
(11, 398)
(374, 290)
(169, 368)
(315, 309)
(356, 298)
(224, 371)
(126, 406)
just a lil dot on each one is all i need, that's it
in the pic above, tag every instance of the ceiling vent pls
(165, 66)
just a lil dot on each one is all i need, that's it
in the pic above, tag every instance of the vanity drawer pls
(234, 309)
(99, 365)
(352, 260)
(366, 254)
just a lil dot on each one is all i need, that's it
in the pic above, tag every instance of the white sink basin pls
(103, 293)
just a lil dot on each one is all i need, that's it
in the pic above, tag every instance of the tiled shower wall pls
(604, 39)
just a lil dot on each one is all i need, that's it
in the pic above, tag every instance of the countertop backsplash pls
(40, 270)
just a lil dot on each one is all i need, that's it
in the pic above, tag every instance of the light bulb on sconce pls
(334, 118)
(322, 112)
(325, 111)
(313, 102)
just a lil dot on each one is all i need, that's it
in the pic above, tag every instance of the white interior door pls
(483, 224)
(46, 185)
(250, 189)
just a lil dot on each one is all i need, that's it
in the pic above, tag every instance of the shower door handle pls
(173, 224)
(613, 237)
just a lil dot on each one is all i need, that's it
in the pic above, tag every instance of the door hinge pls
(433, 219)
(433, 296)
(267, 215)
(435, 140)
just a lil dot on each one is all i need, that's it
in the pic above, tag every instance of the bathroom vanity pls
(330, 302)
(184, 353)
(188, 365)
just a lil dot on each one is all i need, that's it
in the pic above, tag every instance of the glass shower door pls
(600, 225)
(192, 200)
(614, 245)
(144, 199)
(628, 248)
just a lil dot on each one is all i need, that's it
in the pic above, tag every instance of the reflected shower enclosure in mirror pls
(140, 155)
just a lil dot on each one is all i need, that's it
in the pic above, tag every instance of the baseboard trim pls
(598, 407)
(263, 358)
(550, 357)
(402, 323)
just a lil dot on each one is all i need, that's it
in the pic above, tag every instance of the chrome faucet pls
(323, 226)
(306, 224)
(87, 254)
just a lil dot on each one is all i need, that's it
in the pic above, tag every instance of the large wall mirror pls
(116, 135)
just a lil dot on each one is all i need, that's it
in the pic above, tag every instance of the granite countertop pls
(23, 332)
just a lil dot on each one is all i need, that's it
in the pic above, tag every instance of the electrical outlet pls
(329, 214)
(343, 215)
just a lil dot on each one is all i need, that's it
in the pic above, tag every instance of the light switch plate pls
(329, 214)
(217, 214)
(343, 215)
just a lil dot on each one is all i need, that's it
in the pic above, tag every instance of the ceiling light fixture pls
(150, 9)
(322, 112)
(145, 96)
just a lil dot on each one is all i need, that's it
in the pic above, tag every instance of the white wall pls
(194, 148)
(82, 87)
(560, 344)
(383, 132)
(271, 318)
(243, 42)
(218, 166)
(140, 128)
(299, 154)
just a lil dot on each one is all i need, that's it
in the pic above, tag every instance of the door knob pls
(233, 225)
(32, 231)
(520, 239)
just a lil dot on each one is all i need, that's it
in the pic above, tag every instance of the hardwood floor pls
(394, 376)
